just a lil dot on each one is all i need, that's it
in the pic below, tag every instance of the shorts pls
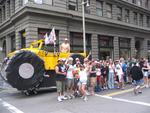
(70, 83)
(76, 81)
(120, 78)
(82, 82)
(88, 81)
(145, 73)
(60, 86)
(98, 78)
(93, 80)
(139, 82)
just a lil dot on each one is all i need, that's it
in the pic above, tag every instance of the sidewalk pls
(112, 91)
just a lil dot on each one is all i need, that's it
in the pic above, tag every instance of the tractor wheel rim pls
(26, 70)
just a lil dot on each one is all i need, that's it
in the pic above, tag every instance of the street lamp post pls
(83, 22)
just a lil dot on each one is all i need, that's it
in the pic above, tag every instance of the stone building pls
(114, 28)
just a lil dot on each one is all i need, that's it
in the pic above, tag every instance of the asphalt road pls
(12, 101)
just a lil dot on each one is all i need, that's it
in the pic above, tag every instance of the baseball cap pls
(77, 59)
(70, 59)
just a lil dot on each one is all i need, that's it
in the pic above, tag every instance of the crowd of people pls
(82, 79)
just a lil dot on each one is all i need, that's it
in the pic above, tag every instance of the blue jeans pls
(111, 80)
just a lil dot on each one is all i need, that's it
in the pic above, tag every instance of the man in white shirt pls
(119, 74)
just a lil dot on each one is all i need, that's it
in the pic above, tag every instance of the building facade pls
(114, 28)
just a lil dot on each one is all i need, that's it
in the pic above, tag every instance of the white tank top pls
(69, 72)
(83, 75)
(111, 69)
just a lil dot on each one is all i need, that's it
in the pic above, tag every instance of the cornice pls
(72, 15)
(132, 6)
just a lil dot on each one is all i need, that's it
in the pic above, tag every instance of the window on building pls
(8, 8)
(139, 2)
(109, 10)
(3, 13)
(4, 49)
(0, 16)
(148, 47)
(148, 44)
(135, 18)
(38, 1)
(13, 43)
(141, 20)
(148, 21)
(76, 42)
(87, 8)
(23, 39)
(127, 16)
(119, 13)
(105, 47)
(99, 8)
(72, 5)
(48, 2)
(147, 3)
(134, 1)
(124, 48)
(105, 41)
(13, 6)
(41, 34)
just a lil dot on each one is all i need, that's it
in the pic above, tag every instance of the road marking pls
(121, 92)
(10, 107)
(124, 100)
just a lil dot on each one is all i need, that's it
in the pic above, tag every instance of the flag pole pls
(54, 40)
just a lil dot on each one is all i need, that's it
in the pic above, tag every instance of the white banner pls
(51, 38)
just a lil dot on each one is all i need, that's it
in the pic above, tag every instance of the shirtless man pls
(65, 47)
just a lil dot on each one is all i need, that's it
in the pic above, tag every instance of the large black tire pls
(49, 81)
(75, 55)
(25, 71)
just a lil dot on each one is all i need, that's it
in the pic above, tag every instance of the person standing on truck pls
(60, 79)
(65, 46)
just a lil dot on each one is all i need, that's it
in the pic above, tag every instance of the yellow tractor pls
(32, 68)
